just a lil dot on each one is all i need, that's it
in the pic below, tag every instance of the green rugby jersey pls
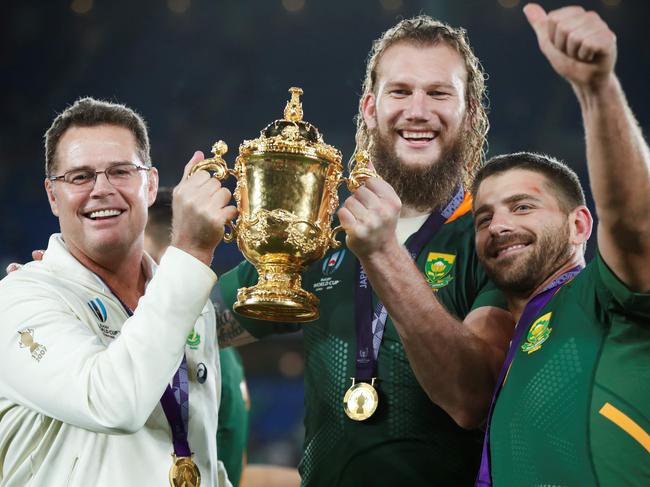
(232, 432)
(575, 406)
(409, 440)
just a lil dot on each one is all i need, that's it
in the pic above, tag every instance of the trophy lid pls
(292, 135)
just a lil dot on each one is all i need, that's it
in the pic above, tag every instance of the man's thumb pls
(536, 17)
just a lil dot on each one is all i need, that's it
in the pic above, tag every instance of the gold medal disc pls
(184, 473)
(360, 401)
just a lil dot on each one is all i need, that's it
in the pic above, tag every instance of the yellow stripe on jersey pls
(627, 424)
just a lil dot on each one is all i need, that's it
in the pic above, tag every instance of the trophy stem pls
(277, 296)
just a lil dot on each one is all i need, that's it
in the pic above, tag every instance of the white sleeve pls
(77, 379)
(222, 476)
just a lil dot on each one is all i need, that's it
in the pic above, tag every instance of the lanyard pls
(370, 324)
(532, 309)
(175, 402)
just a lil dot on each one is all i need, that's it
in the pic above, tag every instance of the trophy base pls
(283, 305)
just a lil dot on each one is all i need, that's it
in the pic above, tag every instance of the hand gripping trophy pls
(286, 194)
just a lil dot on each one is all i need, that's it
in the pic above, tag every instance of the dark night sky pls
(221, 69)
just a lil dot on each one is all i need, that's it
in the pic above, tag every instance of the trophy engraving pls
(286, 194)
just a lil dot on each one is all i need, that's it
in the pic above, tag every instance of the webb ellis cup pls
(286, 194)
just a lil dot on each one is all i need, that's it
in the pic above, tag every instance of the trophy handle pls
(335, 244)
(220, 171)
(234, 229)
(216, 163)
(359, 172)
(232, 235)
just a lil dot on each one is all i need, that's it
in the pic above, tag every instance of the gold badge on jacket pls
(27, 341)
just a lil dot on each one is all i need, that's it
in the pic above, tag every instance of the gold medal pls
(184, 473)
(360, 400)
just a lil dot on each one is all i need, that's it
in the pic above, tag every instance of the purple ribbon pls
(369, 340)
(175, 402)
(532, 309)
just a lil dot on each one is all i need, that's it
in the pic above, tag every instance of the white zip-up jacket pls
(81, 382)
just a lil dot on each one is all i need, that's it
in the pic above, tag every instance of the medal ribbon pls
(532, 309)
(175, 402)
(370, 324)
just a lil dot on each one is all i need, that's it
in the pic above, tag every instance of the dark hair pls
(159, 221)
(89, 112)
(425, 31)
(561, 178)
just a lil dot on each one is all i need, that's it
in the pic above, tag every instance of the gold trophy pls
(286, 194)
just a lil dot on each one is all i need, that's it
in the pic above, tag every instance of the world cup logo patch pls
(98, 309)
(333, 262)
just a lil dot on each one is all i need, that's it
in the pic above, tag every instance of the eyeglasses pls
(117, 175)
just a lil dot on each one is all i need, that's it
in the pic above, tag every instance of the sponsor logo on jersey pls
(193, 340)
(27, 341)
(330, 265)
(98, 309)
(333, 262)
(538, 334)
(438, 269)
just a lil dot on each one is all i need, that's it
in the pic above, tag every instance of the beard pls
(427, 186)
(521, 275)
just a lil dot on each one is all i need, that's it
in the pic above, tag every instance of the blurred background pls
(202, 70)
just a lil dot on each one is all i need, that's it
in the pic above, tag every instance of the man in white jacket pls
(98, 382)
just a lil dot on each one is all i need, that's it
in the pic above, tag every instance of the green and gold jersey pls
(409, 440)
(575, 406)
(232, 432)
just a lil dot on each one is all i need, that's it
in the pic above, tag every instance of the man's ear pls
(581, 223)
(152, 185)
(467, 122)
(369, 110)
(51, 196)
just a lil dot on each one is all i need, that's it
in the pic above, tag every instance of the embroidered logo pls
(364, 356)
(330, 266)
(438, 269)
(538, 334)
(98, 309)
(27, 341)
(333, 262)
(193, 340)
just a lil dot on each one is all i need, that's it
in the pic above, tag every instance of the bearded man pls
(423, 120)
(573, 404)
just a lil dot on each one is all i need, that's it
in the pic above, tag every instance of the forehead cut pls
(534, 192)
(559, 180)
